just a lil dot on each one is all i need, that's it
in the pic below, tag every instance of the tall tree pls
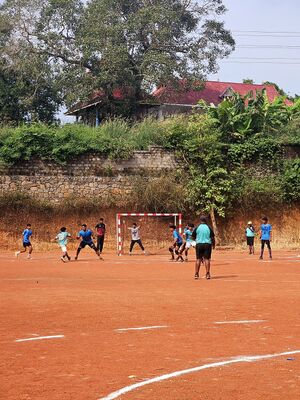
(130, 44)
(28, 87)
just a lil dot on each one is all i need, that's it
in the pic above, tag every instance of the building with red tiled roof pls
(168, 100)
(213, 92)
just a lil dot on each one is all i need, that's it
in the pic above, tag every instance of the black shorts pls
(90, 244)
(203, 250)
(26, 244)
(265, 242)
(250, 240)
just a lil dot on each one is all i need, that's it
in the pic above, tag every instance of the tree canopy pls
(107, 44)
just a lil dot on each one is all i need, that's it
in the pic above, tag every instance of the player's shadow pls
(224, 277)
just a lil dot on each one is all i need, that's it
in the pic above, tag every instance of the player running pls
(178, 242)
(135, 238)
(62, 239)
(205, 242)
(188, 231)
(100, 230)
(27, 234)
(250, 234)
(265, 236)
(86, 236)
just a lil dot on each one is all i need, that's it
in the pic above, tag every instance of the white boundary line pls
(40, 338)
(253, 321)
(239, 359)
(142, 328)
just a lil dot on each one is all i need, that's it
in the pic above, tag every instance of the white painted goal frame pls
(118, 224)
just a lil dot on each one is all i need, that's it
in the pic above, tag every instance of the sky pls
(275, 64)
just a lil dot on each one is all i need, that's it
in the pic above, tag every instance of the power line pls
(260, 62)
(266, 58)
(271, 32)
(266, 35)
(267, 46)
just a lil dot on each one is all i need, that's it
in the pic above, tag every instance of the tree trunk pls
(214, 226)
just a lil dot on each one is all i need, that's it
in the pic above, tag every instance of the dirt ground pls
(78, 317)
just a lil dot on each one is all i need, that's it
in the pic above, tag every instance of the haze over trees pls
(62, 50)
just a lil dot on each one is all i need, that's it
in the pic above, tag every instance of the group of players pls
(201, 237)
(85, 235)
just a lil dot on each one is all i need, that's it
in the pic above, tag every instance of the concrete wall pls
(85, 177)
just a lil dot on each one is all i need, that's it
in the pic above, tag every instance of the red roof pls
(212, 93)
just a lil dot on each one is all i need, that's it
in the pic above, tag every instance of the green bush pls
(290, 184)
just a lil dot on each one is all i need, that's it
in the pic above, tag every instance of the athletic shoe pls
(62, 259)
(196, 276)
(76, 258)
(261, 258)
(29, 257)
(17, 253)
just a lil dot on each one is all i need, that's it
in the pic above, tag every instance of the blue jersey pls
(188, 234)
(86, 236)
(177, 237)
(26, 235)
(266, 231)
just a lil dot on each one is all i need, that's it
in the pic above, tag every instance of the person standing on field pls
(265, 236)
(100, 230)
(205, 242)
(135, 238)
(250, 234)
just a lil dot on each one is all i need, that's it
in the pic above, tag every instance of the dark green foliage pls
(290, 184)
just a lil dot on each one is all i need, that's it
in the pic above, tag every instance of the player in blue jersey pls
(205, 242)
(177, 243)
(265, 236)
(27, 234)
(86, 236)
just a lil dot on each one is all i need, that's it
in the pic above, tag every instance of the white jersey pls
(135, 234)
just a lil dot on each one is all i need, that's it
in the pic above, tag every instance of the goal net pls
(152, 240)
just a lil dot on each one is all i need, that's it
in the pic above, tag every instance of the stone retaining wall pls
(87, 176)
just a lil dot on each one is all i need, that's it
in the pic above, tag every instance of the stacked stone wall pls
(87, 176)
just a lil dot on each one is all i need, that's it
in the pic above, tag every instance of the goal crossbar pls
(119, 229)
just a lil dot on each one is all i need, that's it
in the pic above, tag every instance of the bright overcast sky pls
(280, 64)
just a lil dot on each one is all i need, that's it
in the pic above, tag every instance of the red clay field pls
(141, 327)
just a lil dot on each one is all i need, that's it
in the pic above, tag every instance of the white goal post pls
(118, 224)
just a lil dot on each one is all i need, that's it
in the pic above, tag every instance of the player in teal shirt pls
(250, 234)
(62, 239)
(205, 242)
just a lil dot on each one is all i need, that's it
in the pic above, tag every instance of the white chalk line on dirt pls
(250, 321)
(235, 360)
(40, 338)
(142, 328)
